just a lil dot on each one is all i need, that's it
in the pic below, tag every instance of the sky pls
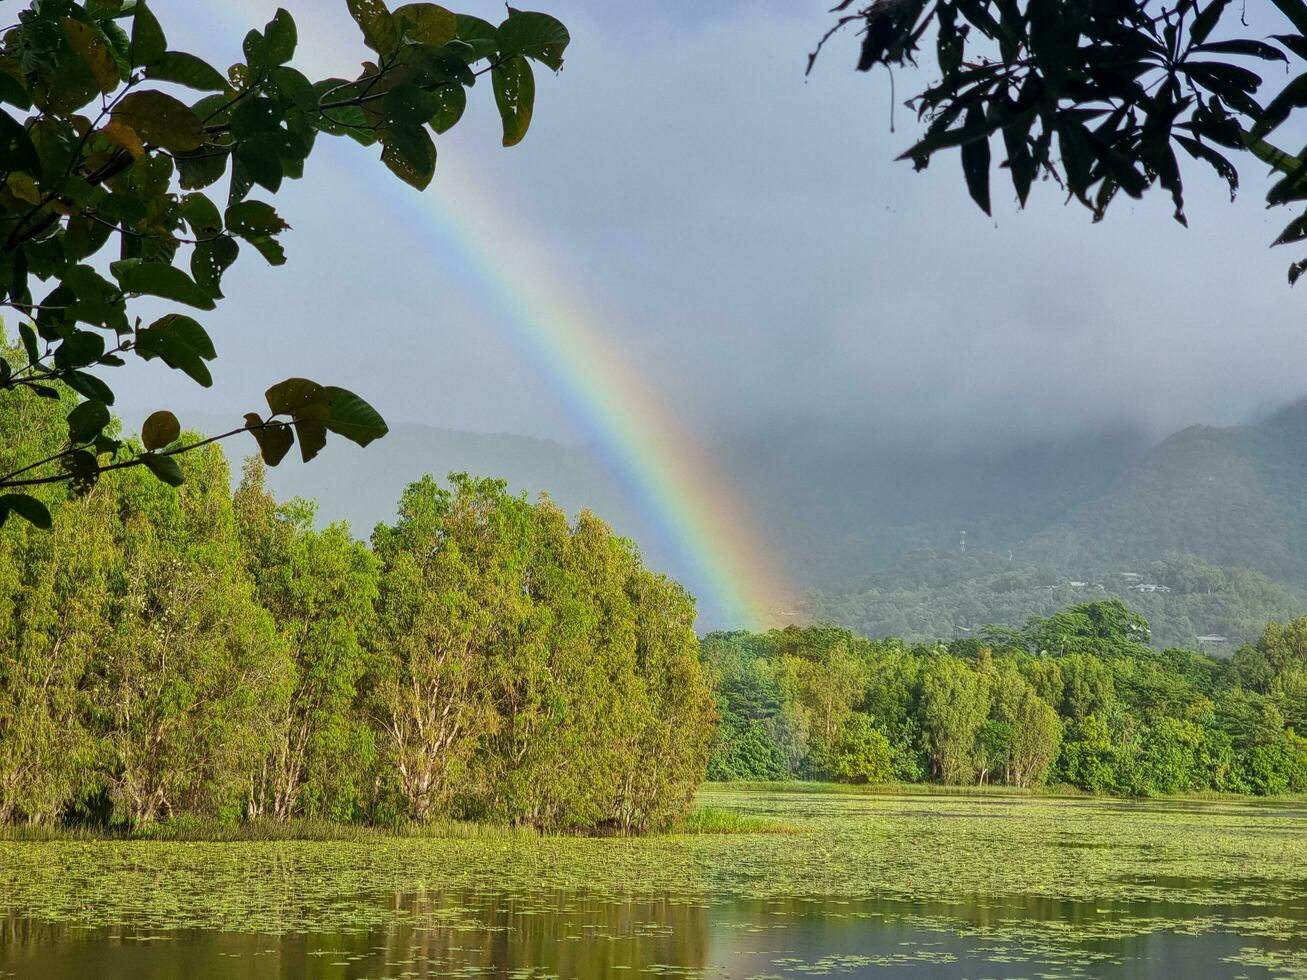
(754, 248)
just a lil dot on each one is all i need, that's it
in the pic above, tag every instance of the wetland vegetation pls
(863, 884)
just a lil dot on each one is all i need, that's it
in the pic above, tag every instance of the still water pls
(925, 887)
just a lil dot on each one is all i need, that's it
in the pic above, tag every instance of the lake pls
(928, 886)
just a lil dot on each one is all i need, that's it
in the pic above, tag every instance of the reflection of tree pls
(553, 932)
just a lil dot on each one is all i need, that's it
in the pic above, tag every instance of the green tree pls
(860, 754)
(452, 568)
(954, 705)
(1100, 98)
(192, 673)
(112, 156)
(320, 588)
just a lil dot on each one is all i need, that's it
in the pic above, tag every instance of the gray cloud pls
(765, 260)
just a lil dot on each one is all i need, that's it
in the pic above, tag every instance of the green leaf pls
(93, 49)
(279, 39)
(380, 32)
(181, 68)
(514, 85)
(86, 421)
(159, 279)
(30, 344)
(210, 260)
(354, 418)
(79, 350)
(408, 105)
(148, 42)
(160, 119)
(480, 34)
(534, 35)
(299, 398)
(88, 386)
(165, 468)
(179, 342)
(258, 223)
(427, 23)
(17, 151)
(274, 440)
(26, 507)
(160, 429)
(410, 154)
(261, 160)
(312, 435)
(451, 101)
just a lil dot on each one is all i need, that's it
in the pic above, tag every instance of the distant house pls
(1213, 638)
(1149, 587)
(1131, 576)
(1079, 585)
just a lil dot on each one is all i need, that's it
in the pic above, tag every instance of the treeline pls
(169, 652)
(1077, 698)
(928, 594)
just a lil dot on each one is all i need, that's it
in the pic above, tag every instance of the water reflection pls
(563, 934)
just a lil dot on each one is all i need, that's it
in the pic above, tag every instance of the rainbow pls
(704, 515)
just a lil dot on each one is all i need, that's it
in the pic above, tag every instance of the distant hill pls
(1230, 496)
(1206, 534)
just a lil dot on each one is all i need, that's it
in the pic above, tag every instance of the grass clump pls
(711, 820)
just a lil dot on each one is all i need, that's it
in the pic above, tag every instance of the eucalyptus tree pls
(320, 587)
(191, 671)
(117, 185)
(451, 593)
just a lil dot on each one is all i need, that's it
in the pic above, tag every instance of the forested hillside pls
(1206, 534)
(170, 651)
(1078, 697)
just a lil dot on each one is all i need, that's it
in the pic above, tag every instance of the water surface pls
(874, 886)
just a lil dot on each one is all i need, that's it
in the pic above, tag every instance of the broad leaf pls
(534, 35)
(26, 507)
(165, 468)
(158, 279)
(514, 85)
(160, 429)
(274, 440)
(354, 418)
(161, 119)
(86, 421)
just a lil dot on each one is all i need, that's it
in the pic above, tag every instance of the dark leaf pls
(164, 467)
(86, 420)
(353, 418)
(975, 160)
(274, 439)
(88, 386)
(148, 42)
(158, 279)
(514, 85)
(299, 398)
(26, 507)
(186, 69)
(534, 35)
(312, 435)
(160, 429)
(179, 342)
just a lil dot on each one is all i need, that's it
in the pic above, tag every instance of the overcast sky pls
(765, 259)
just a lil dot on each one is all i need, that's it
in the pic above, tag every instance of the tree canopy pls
(1098, 96)
(118, 182)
